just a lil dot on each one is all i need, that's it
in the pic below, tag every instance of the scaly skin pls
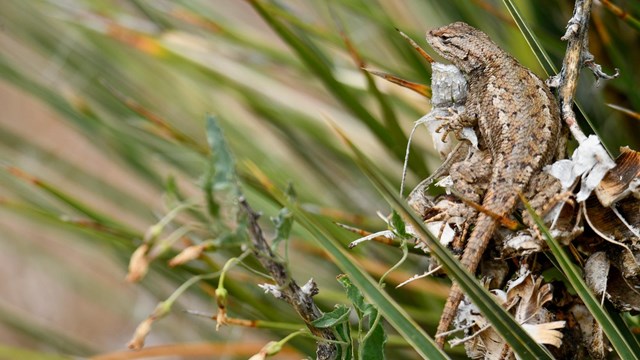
(519, 123)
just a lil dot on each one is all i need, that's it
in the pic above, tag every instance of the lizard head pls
(465, 46)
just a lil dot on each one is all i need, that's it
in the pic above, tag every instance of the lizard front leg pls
(455, 122)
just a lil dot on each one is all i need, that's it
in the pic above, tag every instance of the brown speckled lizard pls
(519, 124)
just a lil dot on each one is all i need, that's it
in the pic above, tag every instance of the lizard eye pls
(446, 38)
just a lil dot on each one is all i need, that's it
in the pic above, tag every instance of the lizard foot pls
(452, 123)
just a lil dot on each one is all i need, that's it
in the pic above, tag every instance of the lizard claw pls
(452, 123)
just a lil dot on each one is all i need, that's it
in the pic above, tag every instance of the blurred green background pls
(102, 113)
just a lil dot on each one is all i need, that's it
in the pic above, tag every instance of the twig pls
(421, 89)
(576, 57)
(417, 47)
(288, 290)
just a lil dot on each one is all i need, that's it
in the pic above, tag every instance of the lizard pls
(519, 123)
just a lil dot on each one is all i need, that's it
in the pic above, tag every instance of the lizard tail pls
(477, 244)
(478, 241)
(449, 312)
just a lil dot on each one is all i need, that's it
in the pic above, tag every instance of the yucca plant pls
(161, 130)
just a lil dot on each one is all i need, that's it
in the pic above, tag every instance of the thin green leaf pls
(73, 202)
(37, 214)
(372, 345)
(319, 67)
(622, 14)
(151, 14)
(53, 339)
(624, 328)
(344, 334)
(338, 316)
(224, 175)
(283, 223)
(538, 51)
(398, 225)
(622, 340)
(354, 295)
(14, 144)
(221, 173)
(207, 185)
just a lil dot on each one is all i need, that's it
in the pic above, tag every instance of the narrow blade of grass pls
(619, 12)
(538, 51)
(71, 201)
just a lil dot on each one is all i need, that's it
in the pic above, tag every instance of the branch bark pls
(576, 56)
(301, 299)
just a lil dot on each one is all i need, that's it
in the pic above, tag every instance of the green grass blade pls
(623, 341)
(623, 327)
(503, 323)
(73, 202)
(622, 14)
(36, 214)
(538, 51)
